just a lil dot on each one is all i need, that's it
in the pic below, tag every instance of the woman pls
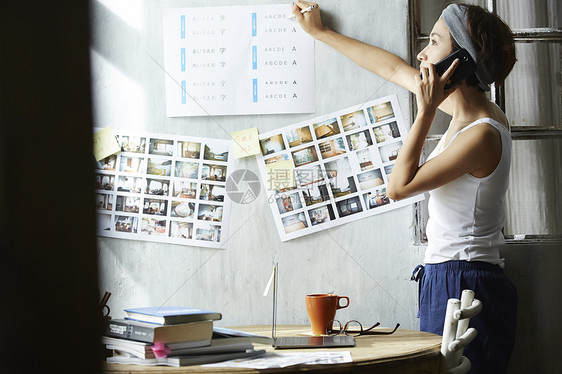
(466, 175)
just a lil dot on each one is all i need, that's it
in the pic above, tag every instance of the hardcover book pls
(168, 315)
(152, 333)
(143, 350)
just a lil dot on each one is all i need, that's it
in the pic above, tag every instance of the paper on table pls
(105, 144)
(281, 360)
(245, 142)
(280, 175)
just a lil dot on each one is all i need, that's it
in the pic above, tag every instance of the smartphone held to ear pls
(464, 69)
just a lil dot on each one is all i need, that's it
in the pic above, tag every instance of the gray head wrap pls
(455, 18)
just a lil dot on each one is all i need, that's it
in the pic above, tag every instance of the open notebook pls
(303, 341)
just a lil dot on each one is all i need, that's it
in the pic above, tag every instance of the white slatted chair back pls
(456, 334)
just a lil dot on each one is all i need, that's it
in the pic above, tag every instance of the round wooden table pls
(404, 352)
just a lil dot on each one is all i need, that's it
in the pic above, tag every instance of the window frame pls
(497, 94)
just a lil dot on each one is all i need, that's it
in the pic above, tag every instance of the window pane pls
(534, 199)
(430, 10)
(518, 14)
(522, 14)
(532, 90)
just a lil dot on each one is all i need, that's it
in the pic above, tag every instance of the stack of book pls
(172, 336)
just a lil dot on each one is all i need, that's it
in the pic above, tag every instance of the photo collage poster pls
(341, 164)
(165, 188)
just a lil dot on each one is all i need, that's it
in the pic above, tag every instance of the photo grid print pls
(165, 188)
(341, 163)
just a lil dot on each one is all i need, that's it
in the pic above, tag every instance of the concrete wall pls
(370, 260)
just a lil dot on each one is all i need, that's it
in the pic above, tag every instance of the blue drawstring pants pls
(495, 324)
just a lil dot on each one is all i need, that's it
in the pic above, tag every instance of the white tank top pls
(466, 216)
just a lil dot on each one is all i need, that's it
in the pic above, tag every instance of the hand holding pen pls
(308, 16)
(303, 11)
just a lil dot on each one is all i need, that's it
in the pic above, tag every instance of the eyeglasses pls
(355, 328)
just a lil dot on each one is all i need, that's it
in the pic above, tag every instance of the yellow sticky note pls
(105, 144)
(280, 175)
(246, 142)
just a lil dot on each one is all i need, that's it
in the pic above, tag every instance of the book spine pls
(171, 319)
(124, 330)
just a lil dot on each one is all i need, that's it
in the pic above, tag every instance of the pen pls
(303, 11)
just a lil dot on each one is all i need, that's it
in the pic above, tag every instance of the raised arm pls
(377, 60)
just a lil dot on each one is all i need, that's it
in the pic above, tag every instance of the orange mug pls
(321, 309)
